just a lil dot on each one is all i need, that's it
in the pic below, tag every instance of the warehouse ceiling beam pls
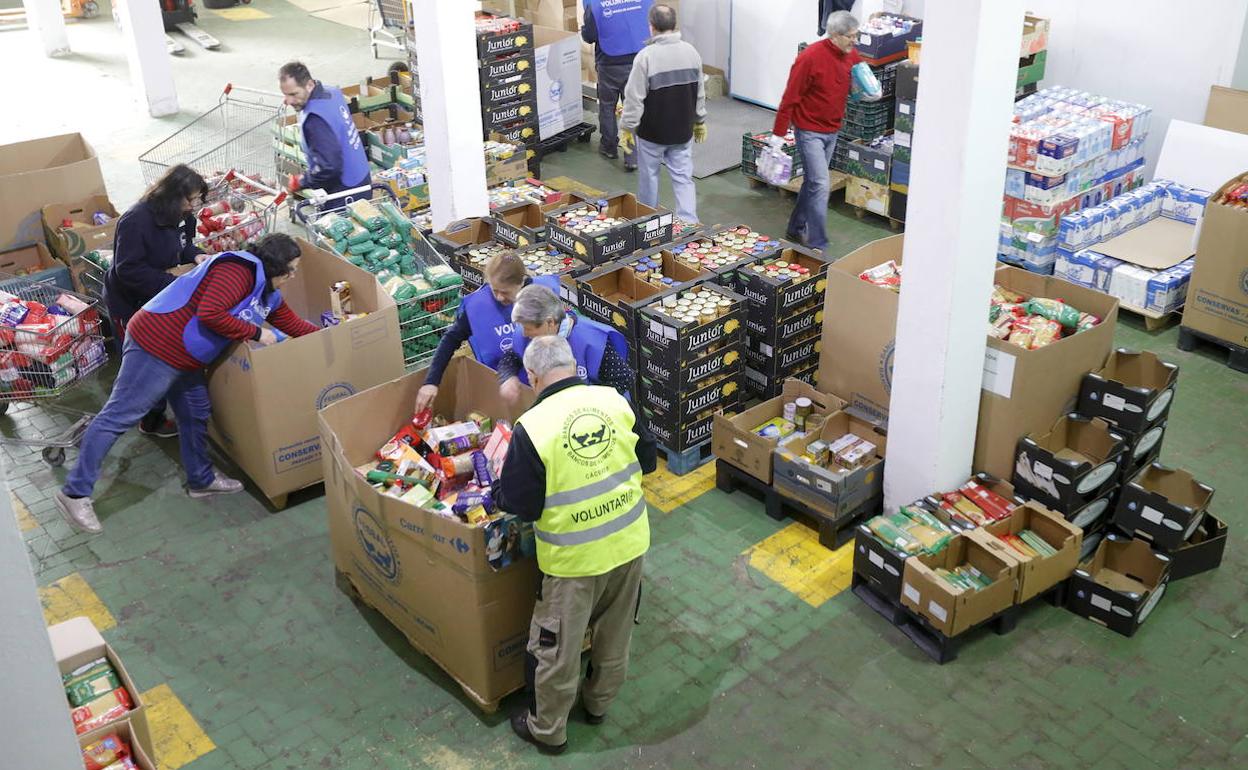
(965, 100)
(450, 98)
(151, 72)
(44, 18)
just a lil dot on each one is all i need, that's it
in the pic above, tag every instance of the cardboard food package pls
(949, 610)
(519, 225)
(38, 172)
(558, 58)
(774, 299)
(879, 565)
(36, 262)
(1217, 295)
(834, 490)
(1163, 506)
(83, 234)
(1202, 551)
(125, 731)
(1133, 390)
(1074, 462)
(734, 439)
(1040, 573)
(429, 575)
(613, 294)
(75, 643)
(1119, 587)
(265, 399)
(644, 227)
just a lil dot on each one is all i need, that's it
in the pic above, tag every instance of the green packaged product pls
(398, 220)
(340, 228)
(393, 241)
(362, 248)
(390, 260)
(360, 236)
(1054, 310)
(341, 246)
(378, 254)
(356, 260)
(104, 681)
(404, 293)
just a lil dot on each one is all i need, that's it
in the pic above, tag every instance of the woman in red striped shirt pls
(169, 342)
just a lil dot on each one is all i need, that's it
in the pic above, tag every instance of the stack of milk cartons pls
(1139, 288)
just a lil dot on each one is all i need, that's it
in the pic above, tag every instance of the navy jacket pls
(143, 250)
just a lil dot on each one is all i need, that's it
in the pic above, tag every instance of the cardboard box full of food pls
(1037, 574)
(76, 643)
(737, 442)
(951, 610)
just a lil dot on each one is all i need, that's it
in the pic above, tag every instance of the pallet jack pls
(180, 16)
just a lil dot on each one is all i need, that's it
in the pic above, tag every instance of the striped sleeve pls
(289, 322)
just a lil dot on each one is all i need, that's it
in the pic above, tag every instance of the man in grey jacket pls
(665, 112)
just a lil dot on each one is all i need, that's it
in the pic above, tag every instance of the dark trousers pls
(611, 81)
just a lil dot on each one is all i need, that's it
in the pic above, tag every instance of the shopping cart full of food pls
(377, 236)
(50, 342)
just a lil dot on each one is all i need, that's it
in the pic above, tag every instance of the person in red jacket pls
(814, 104)
(169, 341)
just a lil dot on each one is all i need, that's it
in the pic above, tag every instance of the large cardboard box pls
(75, 643)
(429, 575)
(950, 610)
(1217, 297)
(38, 172)
(126, 732)
(83, 235)
(558, 58)
(734, 439)
(36, 262)
(1227, 109)
(265, 399)
(1120, 585)
(1040, 573)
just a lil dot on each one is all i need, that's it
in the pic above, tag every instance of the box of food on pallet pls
(519, 225)
(684, 436)
(362, 97)
(725, 250)
(871, 160)
(884, 543)
(1202, 551)
(982, 500)
(762, 388)
(522, 132)
(519, 87)
(497, 118)
(1217, 283)
(672, 407)
(1076, 461)
(778, 364)
(903, 127)
(453, 577)
(99, 690)
(1120, 585)
(504, 161)
(693, 375)
(964, 585)
(1133, 390)
(1162, 505)
(746, 440)
(706, 318)
(116, 745)
(501, 35)
(841, 465)
(767, 338)
(886, 34)
(784, 284)
(469, 245)
(608, 229)
(1045, 545)
(868, 195)
(616, 291)
(507, 69)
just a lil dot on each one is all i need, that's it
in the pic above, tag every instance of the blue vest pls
(335, 113)
(588, 339)
(623, 25)
(203, 344)
(490, 321)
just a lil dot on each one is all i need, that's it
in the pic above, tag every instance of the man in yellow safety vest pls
(574, 469)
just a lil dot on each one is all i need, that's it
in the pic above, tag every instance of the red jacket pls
(814, 99)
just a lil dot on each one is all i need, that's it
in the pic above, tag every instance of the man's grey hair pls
(663, 18)
(840, 23)
(535, 305)
(547, 354)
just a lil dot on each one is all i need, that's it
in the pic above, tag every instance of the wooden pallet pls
(1236, 356)
(1153, 321)
(680, 463)
(896, 224)
(790, 189)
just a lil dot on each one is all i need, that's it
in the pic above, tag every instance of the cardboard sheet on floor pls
(1200, 156)
(1157, 244)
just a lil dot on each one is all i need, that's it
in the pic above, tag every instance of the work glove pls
(699, 132)
(628, 142)
(775, 142)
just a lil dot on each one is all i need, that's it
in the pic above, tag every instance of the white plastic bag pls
(774, 166)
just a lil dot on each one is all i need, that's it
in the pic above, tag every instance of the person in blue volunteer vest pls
(484, 321)
(601, 352)
(183, 329)
(336, 156)
(617, 29)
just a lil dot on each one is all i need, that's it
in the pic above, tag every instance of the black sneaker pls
(594, 719)
(520, 726)
(159, 428)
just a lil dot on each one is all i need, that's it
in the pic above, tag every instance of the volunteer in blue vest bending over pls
(336, 157)
(190, 324)
(601, 352)
(483, 321)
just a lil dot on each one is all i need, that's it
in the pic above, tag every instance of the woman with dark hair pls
(172, 338)
(154, 235)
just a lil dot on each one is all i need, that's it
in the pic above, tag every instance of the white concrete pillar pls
(37, 727)
(151, 71)
(450, 98)
(965, 102)
(43, 17)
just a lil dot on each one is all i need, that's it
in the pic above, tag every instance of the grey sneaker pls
(80, 513)
(221, 485)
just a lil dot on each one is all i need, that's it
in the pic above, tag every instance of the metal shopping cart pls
(427, 294)
(235, 135)
(50, 342)
(239, 208)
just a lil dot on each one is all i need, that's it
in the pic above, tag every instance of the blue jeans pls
(142, 382)
(810, 215)
(679, 161)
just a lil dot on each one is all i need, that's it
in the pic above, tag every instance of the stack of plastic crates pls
(752, 145)
(50, 341)
(868, 120)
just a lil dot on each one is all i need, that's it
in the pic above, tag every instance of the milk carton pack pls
(1080, 229)
(1168, 288)
(1186, 204)
(1015, 183)
(1129, 283)
(1086, 267)
(1005, 241)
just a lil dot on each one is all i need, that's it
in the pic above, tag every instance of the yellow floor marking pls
(25, 521)
(567, 184)
(793, 558)
(667, 491)
(70, 597)
(242, 14)
(176, 737)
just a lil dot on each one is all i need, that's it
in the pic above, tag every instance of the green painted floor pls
(234, 608)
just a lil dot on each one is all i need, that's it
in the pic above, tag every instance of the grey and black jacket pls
(665, 95)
